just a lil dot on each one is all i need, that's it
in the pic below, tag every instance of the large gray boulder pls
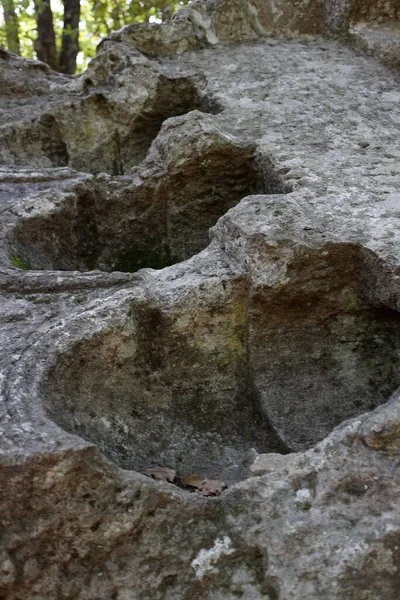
(199, 270)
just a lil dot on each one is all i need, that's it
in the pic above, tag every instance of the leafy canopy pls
(98, 18)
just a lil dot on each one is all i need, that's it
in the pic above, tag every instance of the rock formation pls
(199, 253)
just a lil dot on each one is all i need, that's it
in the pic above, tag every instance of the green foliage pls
(19, 263)
(26, 25)
(98, 19)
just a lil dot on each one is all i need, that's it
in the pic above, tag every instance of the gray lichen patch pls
(194, 173)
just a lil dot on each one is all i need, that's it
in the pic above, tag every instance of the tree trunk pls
(165, 11)
(11, 21)
(45, 45)
(70, 36)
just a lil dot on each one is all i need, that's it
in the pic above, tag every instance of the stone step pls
(381, 41)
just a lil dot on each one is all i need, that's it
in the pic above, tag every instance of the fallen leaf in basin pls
(190, 483)
(192, 480)
(211, 487)
(161, 474)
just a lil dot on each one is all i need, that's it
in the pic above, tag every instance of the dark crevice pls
(272, 441)
(118, 167)
(53, 145)
(84, 230)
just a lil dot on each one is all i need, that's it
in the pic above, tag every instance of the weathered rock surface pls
(266, 353)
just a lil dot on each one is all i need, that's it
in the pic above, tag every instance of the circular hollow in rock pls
(153, 222)
(199, 387)
(96, 134)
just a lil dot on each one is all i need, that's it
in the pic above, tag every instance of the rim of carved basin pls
(93, 133)
(157, 217)
(203, 385)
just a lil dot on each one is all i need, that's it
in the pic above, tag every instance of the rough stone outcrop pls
(343, 14)
(371, 26)
(199, 269)
(380, 40)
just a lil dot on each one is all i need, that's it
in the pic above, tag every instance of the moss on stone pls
(20, 263)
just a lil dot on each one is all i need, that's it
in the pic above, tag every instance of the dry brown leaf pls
(211, 487)
(161, 474)
(190, 483)
(192, 480)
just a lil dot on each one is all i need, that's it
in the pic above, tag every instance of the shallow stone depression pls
(125, 225)
(199, 387)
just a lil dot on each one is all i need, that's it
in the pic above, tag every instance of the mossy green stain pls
(20, 263)
(237, 511)
(350, 300)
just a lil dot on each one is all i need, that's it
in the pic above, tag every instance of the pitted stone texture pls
(371, 26)
(319, 262)
(290, 18)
